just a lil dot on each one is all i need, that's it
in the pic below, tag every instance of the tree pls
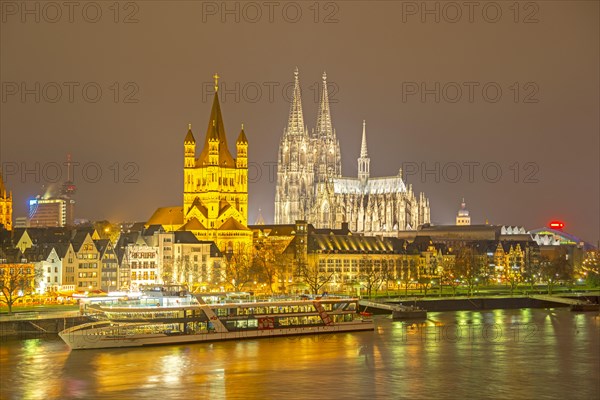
(371, 273)
(239, 270)
(513, 277)
(16, 281)
(531, 268)
(269, 262)
(556, 269)
(468, 266)
(448, 278)
(313, 275)
(591, 268)
(107, 230)
(408, 272)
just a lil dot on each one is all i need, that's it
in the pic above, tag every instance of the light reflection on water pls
(516, 354)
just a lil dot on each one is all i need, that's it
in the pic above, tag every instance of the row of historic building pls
(78, 260)
(68, 260)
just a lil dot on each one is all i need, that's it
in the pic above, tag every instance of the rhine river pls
(493, 354)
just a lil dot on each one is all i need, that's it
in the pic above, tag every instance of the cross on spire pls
(216, 77)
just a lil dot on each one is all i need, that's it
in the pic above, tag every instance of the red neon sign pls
(557, 225)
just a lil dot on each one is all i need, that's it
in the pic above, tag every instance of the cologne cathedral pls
(310, 185)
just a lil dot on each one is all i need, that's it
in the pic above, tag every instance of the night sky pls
(517, 102)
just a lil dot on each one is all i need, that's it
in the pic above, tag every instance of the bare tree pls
(371, 274)
(239, 270)
(590, 268)
(468, 266)
(16, 281)
(408, 272)
(556, 270)
(269, 262)
(313, 275)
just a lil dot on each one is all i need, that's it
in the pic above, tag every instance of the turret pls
(363, 160)
(241, 146)
(189, 146)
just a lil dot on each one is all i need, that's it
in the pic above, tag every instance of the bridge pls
(398, 311)
(556, 299)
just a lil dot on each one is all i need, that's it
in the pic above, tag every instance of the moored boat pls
(175, 316)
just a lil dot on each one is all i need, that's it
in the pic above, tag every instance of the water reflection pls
(489, 354)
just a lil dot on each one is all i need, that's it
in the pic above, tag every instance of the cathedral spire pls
(364, 160)
(363, 146)
(296, 119)
(324, 127)
(2, 187)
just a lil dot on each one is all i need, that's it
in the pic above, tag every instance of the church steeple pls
(463, 217)
(363, 160)
(5, 206)
(324, 127)
(2, 187)
(363, 146)
(329, 159)
(296, 119)
(216, 129)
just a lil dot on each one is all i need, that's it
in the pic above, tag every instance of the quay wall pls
(480, 303)
(29, 328)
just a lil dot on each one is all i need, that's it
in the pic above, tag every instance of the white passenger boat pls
(169, 314)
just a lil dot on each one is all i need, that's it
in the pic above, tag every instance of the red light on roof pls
(556, 225)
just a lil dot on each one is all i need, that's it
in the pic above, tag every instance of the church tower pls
(463, 218)
(363, 160)
(5, 206)
(329, 159)
(294, 195)
(215, 189)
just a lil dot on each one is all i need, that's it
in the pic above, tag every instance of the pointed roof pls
(324, 127)
(259, 218)
(166, 216)
(232, 225)
(189, 138)
(103, 245)
(363, 146)
(216, 129)
(296, 119)
(185, 237)
(197, 203)
(242, 139)
(2, 187)
(193, 225)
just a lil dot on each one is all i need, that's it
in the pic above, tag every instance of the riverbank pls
(35, 324)
(40, 323)
(476, 303)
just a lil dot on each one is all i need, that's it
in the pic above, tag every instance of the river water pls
(495, 354)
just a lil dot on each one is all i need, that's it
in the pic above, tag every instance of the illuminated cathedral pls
(310, 185)
(215, 188)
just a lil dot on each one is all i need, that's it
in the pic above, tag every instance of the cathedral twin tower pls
(310, 185)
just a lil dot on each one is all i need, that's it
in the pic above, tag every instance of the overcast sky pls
(499, 103)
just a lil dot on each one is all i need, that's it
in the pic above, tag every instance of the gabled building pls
(48, 266)
(88, 272)
(109, 266)
(138, 259)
